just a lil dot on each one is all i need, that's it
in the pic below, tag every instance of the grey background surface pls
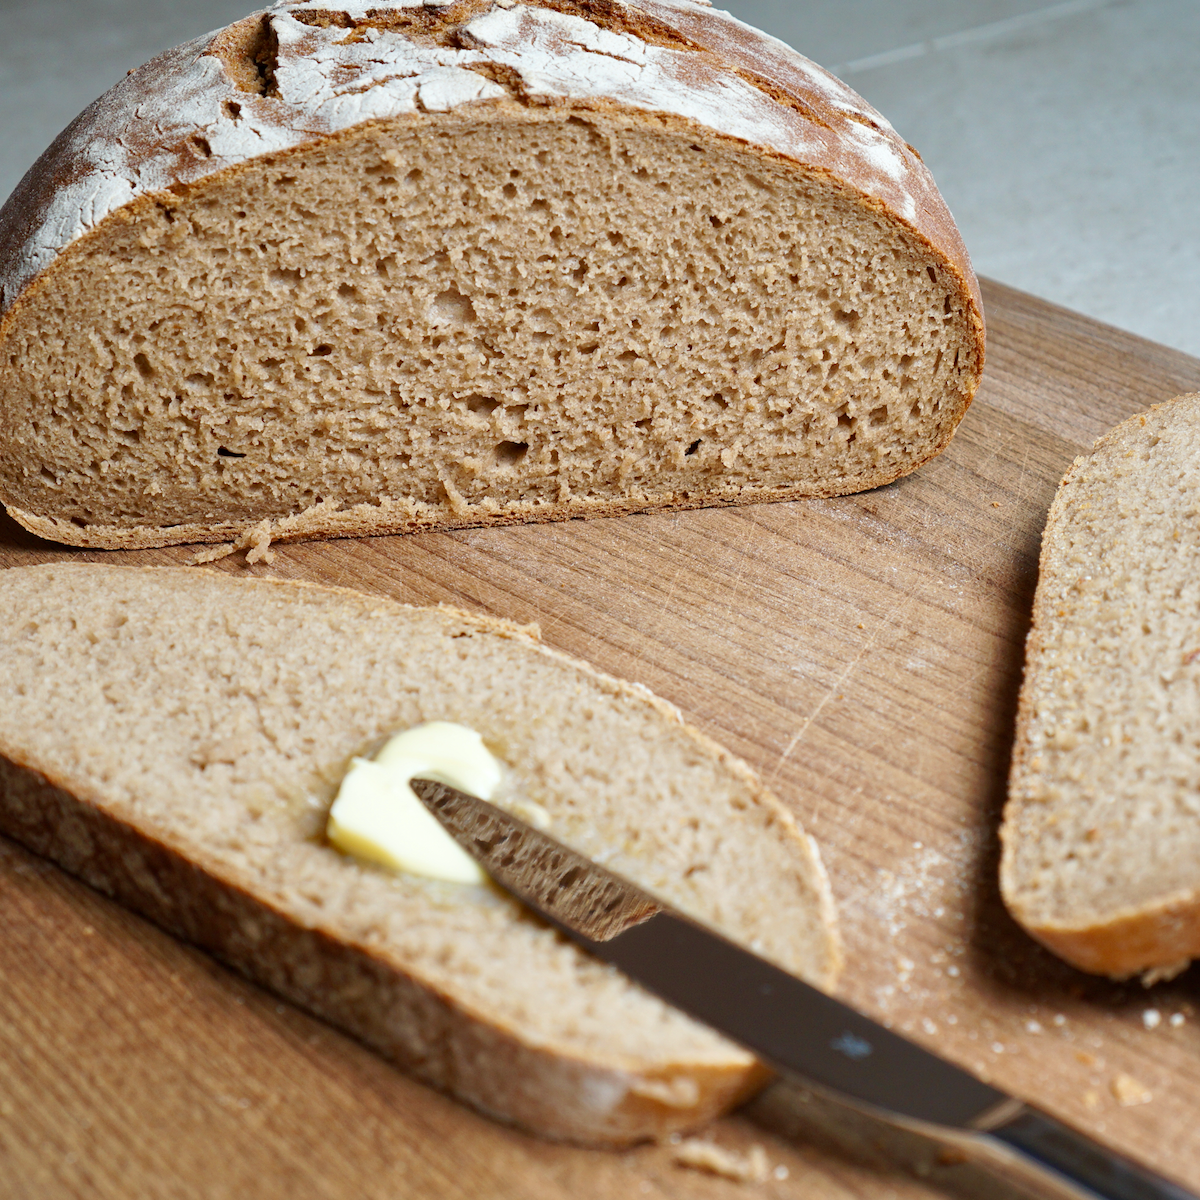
(1064, 136)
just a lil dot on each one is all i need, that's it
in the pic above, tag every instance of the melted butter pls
(377, 816)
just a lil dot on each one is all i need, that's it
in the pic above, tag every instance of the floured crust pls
(436, 1030)
(1159, 935)
(183, 116)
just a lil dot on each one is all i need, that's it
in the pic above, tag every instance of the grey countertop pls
(1064, 136)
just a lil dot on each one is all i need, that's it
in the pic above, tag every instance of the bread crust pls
(146, 130)
(586, 1098)
(1158, 937)
(390, 517)
(1162, 939)
(149, 119)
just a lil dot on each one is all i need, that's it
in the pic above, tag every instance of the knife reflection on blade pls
(790, 1025)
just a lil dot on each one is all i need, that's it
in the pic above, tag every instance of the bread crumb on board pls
(702, 1155)
(210, 555)
(256, 540)
(1129, 1092)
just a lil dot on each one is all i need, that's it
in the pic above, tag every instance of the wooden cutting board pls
(863, 654)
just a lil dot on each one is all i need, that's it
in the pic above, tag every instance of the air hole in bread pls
(509, 454)
(484, 405)
(451, 308)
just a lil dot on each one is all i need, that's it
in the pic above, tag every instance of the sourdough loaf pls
(350, 271)
(176, 739)
(1101, 858)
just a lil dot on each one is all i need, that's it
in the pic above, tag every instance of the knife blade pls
(792, 1026)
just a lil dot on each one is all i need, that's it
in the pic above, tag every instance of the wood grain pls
(864, 654)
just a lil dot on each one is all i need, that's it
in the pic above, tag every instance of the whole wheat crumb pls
(701, 1155)
(1111, 640)
(269, 682)
(1129, 1092)
(211, 554)
(257, 539)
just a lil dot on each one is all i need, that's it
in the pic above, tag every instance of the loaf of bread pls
(176, 739)
(1101, 858)
(346, 270)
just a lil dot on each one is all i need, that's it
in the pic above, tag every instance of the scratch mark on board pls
(851, 667)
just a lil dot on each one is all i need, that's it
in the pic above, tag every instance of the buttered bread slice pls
(342, 271)
(1101, 833)
(176, 738)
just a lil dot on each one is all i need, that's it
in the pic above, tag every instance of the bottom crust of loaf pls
(1157, 942)
(422, 1032)
(329, 520)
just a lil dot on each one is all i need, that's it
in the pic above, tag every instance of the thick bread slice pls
(1101, 833)
(376, 270)
(176, 739)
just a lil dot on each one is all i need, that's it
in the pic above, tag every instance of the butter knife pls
(793, 1027)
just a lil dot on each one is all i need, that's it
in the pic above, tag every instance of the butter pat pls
(378, 817)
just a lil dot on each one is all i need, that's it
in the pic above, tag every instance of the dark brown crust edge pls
(423, 1032)
(1162, 939)
(1162, 936)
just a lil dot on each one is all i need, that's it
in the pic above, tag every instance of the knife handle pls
(1057, 1156)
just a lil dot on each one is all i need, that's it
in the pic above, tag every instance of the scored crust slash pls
(402, 268)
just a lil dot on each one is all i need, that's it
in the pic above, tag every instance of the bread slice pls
(354, 271)
(176, 737)
(1101, 833)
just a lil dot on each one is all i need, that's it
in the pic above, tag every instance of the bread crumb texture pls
(703, 1155)
(346, 272)
(1101, 857)
(1128, 1092)
(176, 737)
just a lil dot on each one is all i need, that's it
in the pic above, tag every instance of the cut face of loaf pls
(1101, 833)
(176, 739)
(473, 265)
